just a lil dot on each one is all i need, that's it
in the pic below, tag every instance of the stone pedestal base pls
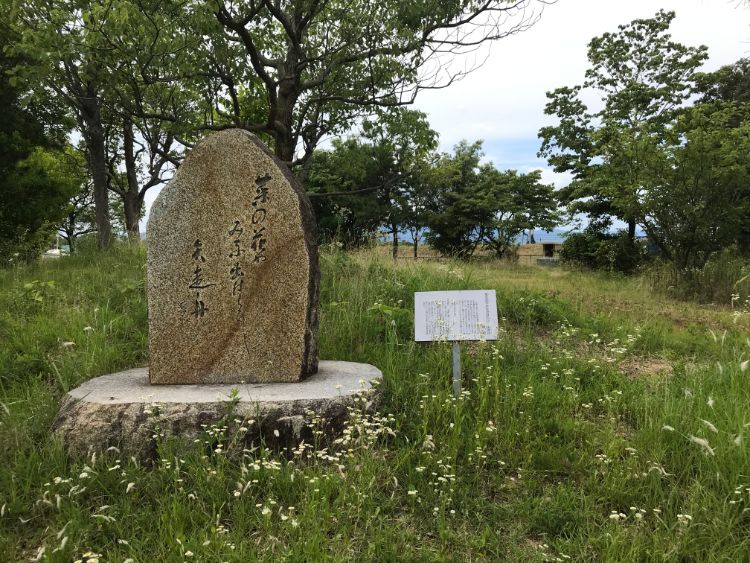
(124, 411)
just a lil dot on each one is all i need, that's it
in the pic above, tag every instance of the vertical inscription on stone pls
(251, 311)
(259, 242)
(235, 272)
(197, 283)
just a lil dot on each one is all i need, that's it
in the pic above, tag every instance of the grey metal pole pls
(456, 369)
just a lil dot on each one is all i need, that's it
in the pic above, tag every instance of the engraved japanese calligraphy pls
(244, 307)
(235, 271)
(197, 283)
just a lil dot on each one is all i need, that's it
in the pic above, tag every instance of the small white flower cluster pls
(684, 519)
(741, 496)
(88, 557)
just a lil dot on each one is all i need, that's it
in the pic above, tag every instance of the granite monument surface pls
(232, 275)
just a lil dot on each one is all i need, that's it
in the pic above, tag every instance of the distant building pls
(541, 253)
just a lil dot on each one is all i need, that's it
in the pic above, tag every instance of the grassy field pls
(607, 424)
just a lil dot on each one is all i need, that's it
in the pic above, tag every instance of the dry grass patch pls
(636, 366)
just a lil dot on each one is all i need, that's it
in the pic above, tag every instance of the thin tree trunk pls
(416, 245)
(284, 118)
(98, 164)
(132, 201)
(69, 236)
(132, 209)
(97, 160)
(394, 232)
(631, 229)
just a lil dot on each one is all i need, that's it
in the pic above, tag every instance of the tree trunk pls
(394, 232)
(98, 164)
(70, 236)
(131, 197)
(97, 160)
(132, 209)
(631, 229)
(416, 245)
(283, 114)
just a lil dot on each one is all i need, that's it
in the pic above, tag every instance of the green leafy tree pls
(343, 188)
(401, 141)
(419, 195)
(79, 219)
(313, 68)
(457, 220)
(114, 66)
(517, 202)
(730, 83)
(153, 115)
(37, 189)
(642, 77)
(697, 196)
(477, 205)
(367, 181)
(63, 55)
(34, 183)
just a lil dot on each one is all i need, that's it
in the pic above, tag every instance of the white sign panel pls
(455, 315)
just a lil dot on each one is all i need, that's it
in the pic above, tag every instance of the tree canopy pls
(35, 179)
(475, 204)
(642, 77)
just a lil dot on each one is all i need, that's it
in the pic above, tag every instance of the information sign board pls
(455, 315)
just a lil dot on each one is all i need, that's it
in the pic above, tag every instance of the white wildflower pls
(684, 519)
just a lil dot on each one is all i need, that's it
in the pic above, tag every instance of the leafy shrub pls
(599, 250)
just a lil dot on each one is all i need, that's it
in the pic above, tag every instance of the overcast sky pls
(503, 101)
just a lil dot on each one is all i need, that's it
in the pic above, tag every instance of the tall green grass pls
(724, 279)
(553, 451)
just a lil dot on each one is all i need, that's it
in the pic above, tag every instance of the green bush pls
(600, 250)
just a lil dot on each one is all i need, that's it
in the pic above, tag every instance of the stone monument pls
(232, 288)
(232, 269)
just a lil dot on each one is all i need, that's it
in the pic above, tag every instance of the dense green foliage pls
(606, 424)
(144, 80)
(462, 204)
(373, 180)
(35, 179)
(599, 249)
(474, 204)
(648, 157)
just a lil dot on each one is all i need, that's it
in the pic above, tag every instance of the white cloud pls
(504, 100)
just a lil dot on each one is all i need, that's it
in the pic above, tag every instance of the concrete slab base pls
(124, 411)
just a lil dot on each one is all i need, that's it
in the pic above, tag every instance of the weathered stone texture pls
(232, 269)
(122, 410)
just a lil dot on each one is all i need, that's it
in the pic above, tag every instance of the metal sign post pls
(456, 368)
(452, 316)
